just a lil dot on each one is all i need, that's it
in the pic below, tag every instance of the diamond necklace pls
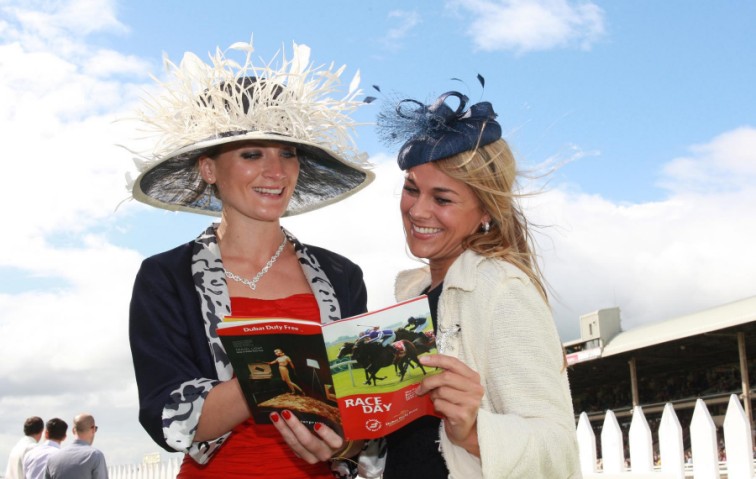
(252, 283)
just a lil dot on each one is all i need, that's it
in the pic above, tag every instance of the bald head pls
(84, 427)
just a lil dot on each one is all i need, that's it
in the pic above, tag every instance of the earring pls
(486, 227)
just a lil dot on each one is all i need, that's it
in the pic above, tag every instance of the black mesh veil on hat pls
(203, 106)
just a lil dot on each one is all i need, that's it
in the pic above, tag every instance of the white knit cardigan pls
(491, 317)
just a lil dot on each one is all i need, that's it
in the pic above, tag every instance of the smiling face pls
(254, 179)
(438, 213)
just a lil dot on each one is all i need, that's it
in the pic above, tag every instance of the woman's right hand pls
(319, 446)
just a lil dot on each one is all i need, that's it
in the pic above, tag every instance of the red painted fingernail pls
(317, 426)
(274, 417)
(286, 414)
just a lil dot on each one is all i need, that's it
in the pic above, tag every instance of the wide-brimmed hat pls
(435, 131)
(204, 105)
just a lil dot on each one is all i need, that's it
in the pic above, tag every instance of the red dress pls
(255, 450)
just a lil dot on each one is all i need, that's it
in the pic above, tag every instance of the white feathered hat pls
(206, 105)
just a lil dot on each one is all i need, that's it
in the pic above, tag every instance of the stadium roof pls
(706, 340)
(702, 322)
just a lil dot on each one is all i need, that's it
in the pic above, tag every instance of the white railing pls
(163, 470)
(704, 464)
(704, 460)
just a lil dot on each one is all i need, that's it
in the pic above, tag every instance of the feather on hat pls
(204, 105)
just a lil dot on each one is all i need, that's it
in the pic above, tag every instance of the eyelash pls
(253, 155)
(414, 192)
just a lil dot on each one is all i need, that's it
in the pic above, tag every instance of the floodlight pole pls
(744, 380)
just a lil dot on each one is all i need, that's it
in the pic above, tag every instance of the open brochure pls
(356, 375)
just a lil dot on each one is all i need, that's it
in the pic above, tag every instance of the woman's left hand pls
(311, 447)
(456, 394)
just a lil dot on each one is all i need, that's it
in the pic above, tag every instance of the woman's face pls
(254, 179)
(438, 213)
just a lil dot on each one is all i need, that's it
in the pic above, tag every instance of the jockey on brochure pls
(375, 334)
(416, 323)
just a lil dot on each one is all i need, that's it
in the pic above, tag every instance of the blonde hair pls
(491, 172)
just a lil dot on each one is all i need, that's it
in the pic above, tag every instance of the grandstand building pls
(709, 355)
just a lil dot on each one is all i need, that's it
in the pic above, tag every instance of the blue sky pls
(646, 110)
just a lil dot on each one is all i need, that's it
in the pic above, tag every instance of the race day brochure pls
(318, 372)
(376, 393)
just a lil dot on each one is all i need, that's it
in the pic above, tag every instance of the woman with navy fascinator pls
(503, 399)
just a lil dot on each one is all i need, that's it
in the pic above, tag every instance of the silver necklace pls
(252, 283)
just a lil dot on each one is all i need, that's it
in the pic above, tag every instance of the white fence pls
(704, 464)
(164, 470)
(705, 461)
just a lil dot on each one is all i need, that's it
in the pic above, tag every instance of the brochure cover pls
(357, 375)
(375, 367)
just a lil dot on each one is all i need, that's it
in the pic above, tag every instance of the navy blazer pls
(167, 332)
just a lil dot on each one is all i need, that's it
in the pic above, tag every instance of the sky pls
(635, 122)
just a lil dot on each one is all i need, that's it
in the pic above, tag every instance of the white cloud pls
(84, 317)
(60, 153)
(726, 163)
(66, 346)
(104, 63)
(662, 259)
(61, 23)
(406, 22)
(532, 25)
(63, 312)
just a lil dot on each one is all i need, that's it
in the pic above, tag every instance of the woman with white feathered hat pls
(249, 144)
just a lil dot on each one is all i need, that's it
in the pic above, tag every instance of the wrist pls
(470, 442)
(348, 450)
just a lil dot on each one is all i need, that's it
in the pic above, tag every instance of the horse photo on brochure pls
(385, 345)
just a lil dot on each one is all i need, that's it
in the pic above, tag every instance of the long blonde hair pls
(491, 172)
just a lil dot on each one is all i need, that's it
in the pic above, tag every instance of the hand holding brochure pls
(357, 375)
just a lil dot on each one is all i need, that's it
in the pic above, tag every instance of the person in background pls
(33, 428)
(35, 461)
(79, 460)
(503, 398)
(250, 144)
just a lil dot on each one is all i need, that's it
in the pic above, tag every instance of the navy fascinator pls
(436, 131)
